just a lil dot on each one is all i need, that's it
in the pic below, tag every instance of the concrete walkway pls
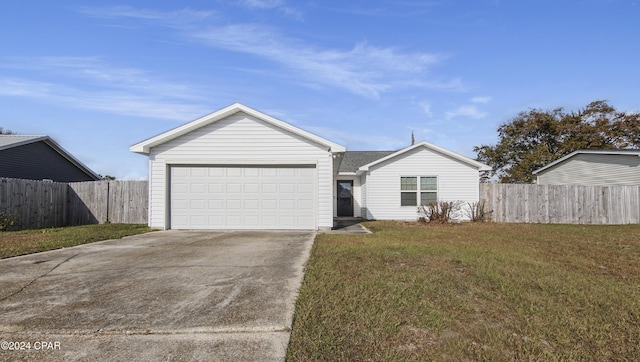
(171, 295)
(347, 225)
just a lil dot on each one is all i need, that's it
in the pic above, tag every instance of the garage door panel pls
(180, 188)
(198, 172)
(215, 204)
(234, 204)
(198, 204)
(197, 219)
(287, 172)
(269, 188)
(216, 187)
(305, 204)
(216, 220)
(180, 204)
(269, 172)
(216, 172)
(234, 187)
(234, 172)
(252, 221)
(269, 204)
(306, 172)
(252, 188)
(251, 172)
(251, 204)
(180, 172)
(242, 197)
(270, 221)
(287, 204)
(305, 219)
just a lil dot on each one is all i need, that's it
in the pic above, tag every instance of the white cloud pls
(262, 4)
(364, 69)
(426, 108)
(480, 99)
(101, 86)
(177, 17)
(465, 111)
(272, 4)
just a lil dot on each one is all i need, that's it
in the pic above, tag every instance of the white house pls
(238, 168)
(593, 167)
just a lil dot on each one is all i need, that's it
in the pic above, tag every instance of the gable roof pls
(353, 160)
(12, 141)
(599, 152)
(464, 159)
(145, 146)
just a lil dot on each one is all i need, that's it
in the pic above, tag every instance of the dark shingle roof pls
(353, 160)
(40, 157)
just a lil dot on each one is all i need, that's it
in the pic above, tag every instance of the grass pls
(14, 243)
(471, 292)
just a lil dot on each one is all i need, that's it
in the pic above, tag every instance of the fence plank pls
(40, 204)
(124, 204)
(35, 204)
(568, 204)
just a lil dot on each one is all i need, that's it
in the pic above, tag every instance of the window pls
(422, 188)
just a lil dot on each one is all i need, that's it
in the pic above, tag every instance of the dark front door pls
(345, 198)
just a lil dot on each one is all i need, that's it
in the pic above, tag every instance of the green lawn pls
(14, 243)
(471, 292)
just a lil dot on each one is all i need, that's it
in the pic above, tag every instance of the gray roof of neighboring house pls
(9, 141)
(353, 160)
(614, 151)
(40, 158)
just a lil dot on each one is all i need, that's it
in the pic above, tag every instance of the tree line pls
(537, 137)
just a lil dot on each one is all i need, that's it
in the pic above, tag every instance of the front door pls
(345, 198)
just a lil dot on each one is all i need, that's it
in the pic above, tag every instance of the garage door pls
(243, 197)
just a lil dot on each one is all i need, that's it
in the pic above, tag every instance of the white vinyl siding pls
(240, 139)
(594, 170)
(455, 181)
(363, 197)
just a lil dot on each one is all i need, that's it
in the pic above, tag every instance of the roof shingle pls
(353, 160)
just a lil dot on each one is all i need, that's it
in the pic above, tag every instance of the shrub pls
(7, 221)
(439, 212)
(477, 211)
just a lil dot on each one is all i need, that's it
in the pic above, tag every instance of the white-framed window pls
(418, 190)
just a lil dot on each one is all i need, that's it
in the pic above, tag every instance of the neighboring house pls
(593, 167)
(238, 168)
(40, 158)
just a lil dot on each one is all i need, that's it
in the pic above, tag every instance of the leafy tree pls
(537, 137)
(5, 131)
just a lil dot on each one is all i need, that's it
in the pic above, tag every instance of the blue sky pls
(100, 76)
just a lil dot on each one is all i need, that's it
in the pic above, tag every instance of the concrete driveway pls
(170, 296)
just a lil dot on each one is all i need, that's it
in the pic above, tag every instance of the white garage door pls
(243, 197)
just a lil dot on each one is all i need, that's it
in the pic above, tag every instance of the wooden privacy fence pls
(562, 204)
(41, 204)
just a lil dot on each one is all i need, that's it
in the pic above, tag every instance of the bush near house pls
(443, 212)
(471, 291)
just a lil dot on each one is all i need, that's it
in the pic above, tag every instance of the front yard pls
(14, 243)
(471, 292)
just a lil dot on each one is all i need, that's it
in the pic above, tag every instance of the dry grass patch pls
(471, 292)
(14, 243)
